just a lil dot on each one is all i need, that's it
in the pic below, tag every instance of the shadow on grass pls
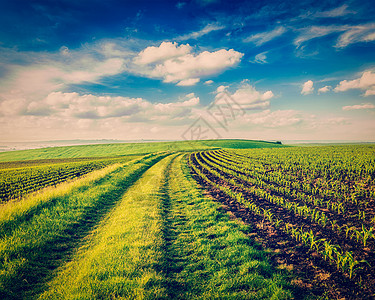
(168, 264)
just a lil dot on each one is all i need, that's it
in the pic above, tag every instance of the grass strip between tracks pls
(121, 257)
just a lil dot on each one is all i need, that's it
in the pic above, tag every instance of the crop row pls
(344, 260)
(361, 234)
(18, 182)
(308, 177)
(355, 199)
(297, 202)
(277, 184)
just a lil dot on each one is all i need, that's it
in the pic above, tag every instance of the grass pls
(209, 256)
(15, 212)
(104, 150)
(136, 230)
(165, 240)
(120, 257)
(50, 162)
(38, 243)
(17, 182)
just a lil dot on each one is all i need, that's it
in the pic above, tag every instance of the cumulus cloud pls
(278, 118)
(307, 88)
(188, 82)
(108, 67)
(165, 51)
(113, 49)
(177, 64)
(370, 92)
(264, 37)
(325, 89)
(246, 96)
(208, 82)
(93, 107)
(359, 106)
(75, 106)
(366, 82)
(43, 73)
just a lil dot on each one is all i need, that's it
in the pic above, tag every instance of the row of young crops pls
(19, 179)
(321, 197)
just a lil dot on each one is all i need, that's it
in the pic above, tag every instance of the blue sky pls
(271, 70)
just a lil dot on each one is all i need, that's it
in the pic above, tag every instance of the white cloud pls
(74, 106)
(336, 12)
(264, 37)
(325, 89)
(64, 50)
(113, 49)
(261, 58)
(208, 82)
(188, 82)
(246, 96)
(44, 73)
(365, 82)
(359, 106)
(356, 34)
(333, 13)
(197, 34)
(165, 51)
(348, 34)
(177, 64)
(370, 92)
(278, 118)
(221, 88)
(108, 67)
(313, 32)
(307, 88)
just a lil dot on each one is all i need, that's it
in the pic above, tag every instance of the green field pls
(105, 150)
(219, 219)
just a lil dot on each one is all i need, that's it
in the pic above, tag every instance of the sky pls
(188, 69)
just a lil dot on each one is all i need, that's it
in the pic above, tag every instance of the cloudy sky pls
(270, 70)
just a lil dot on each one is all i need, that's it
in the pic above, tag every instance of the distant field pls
(104, 150)
(217, 219)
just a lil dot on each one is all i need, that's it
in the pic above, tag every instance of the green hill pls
(117, 149)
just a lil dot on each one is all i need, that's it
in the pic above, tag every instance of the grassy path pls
(122, 257)
(165, 240)
(140, 232)
(35, 242)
